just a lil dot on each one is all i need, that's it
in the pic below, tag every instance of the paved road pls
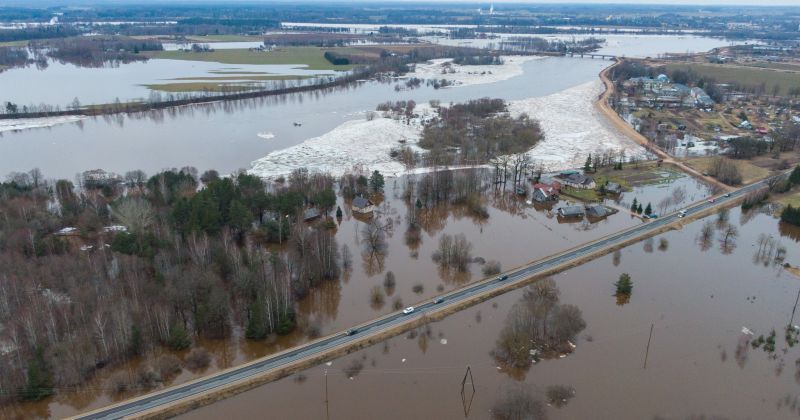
(221, 379)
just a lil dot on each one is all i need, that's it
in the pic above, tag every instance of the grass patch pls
(199, 87)
(247, 77)
(647, 173)
(747, 169)
(581, 194)
(751, 76)
(312, 57)
(789, 198)
(21, 43)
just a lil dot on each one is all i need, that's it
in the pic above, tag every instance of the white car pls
(408, 310)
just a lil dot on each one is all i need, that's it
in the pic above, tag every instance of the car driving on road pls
(408, 310)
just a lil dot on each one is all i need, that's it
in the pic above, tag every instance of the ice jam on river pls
(572, 125)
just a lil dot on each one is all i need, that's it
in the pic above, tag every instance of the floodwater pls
(699, 364)
(624, 45)
(224, 135)
(515, 233)
(126, 82)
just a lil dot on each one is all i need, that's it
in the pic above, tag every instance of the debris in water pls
(328, 364)
(403, 361)
(443, 341)
(747, 331)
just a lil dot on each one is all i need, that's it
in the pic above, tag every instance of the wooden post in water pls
(647, 352)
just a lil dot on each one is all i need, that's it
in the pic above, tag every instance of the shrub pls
(492, 267)
(198, 358)
(167, 365)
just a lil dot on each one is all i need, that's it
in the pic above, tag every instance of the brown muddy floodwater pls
(697, 296)
(515, 233)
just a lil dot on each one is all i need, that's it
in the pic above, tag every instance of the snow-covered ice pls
(17, 124)
(472, 75)
(266, 135)
(572, 125)
(573, 128)
(356, 142)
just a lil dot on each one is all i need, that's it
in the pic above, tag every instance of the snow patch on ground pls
(27, 123)
(356, 142)
(266, 136)
(573, 128)
(472, 75)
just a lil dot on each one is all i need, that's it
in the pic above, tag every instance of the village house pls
(598, 211)
(544, 192)
(311, 214)
(612, 188)
(98, 178)
(362, 205)
(576, 179)
(571, 211)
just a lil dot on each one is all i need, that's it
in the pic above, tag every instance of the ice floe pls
(573, 128)
(17, 124)
(362, 142)
(266, 136)
(472, 75)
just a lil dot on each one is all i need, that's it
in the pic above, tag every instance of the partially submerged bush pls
(198, 358)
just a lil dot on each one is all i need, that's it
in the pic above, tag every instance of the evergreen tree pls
(794, 178)
(39, 380)
(639, 209)
(338, 212)
(240, 216)
(376, 182)
(588, 165)
(791, 215)
(136, 341)
(624, 285)
(634, 206)
(256, 325)
(178, 337)
(418, 204)
(648, 210)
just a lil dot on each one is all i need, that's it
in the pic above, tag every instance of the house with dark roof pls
(613, 188)
(311, 214)
(571, 211)
(598, 211)
(362, 205)
(577, 180)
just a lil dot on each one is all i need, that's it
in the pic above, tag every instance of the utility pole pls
(647, 352)
(791, 321)
(327, 407)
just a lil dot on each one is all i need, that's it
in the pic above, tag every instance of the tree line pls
(193, 260)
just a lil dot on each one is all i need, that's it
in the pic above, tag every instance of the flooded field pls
(514, 233)
(702, 300)
(225, 135)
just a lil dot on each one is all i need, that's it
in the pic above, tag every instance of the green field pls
(199, 87)
(310, 56)
(247, 77)
(751, 76)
